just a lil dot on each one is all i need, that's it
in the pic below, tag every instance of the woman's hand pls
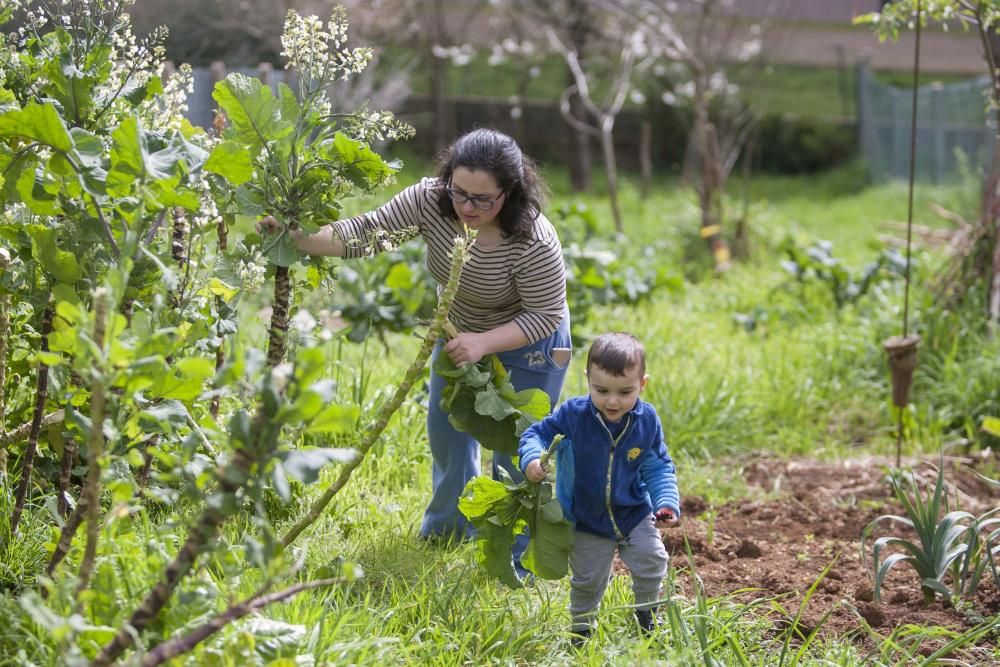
(466, 348)
(269, 225)
(535, 472)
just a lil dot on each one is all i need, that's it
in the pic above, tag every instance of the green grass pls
(809, 381)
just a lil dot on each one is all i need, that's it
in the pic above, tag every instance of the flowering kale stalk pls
(289, 156)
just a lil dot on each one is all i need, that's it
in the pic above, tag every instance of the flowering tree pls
(601, 114)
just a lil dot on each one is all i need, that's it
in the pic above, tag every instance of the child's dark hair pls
(498, 154)
(617, 353)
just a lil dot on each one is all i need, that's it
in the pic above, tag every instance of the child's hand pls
(535, 472)
(665, 518)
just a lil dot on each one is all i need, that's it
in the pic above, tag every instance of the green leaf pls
(362, 165)
(254, 114)
(12, 166)
(70, 86)
(47, 358)
(400, 276)
(185, 380)
(231, 161)
(31, 187)
(992, 425)
(480, 496)
(283, 251)
(89, 157)
(60, 264)
(166, 412)
(37, 122)
(551, 543)
(335, 419)
(126, 158)
(306, 464)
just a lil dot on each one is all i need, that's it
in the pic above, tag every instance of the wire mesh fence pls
(955, 128)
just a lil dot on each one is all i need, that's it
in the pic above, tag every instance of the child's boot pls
(646, 618)
(577, 637)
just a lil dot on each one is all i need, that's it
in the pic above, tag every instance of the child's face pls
(614, 395)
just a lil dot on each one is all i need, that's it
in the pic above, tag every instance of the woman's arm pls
(323, 243)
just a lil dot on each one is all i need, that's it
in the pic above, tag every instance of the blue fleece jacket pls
(606, 485)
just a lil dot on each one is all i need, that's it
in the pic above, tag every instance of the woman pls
(511, 298)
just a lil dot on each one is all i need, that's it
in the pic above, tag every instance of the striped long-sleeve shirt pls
(521, 280)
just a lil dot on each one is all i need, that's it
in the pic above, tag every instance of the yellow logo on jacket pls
(633, 453)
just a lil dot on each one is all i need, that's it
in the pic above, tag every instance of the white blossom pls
(303, 321)
(281, 375)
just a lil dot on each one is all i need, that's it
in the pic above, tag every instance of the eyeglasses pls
(482, 203)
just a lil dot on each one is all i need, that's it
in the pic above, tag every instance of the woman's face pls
(476, 197)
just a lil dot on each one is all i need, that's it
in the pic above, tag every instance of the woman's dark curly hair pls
(498, 154)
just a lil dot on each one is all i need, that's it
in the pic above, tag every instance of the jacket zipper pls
(611, 465)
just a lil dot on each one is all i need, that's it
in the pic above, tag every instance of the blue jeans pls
(455, 454)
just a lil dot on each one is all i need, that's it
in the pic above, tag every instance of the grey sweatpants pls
(642, 551)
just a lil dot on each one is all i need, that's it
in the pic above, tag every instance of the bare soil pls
(809, 515)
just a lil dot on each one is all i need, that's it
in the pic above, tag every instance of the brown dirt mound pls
(809, 515)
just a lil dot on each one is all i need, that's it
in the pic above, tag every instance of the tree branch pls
(181, 645)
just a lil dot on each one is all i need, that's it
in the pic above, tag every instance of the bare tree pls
(702, 38)
(578, 25)
(602, 114)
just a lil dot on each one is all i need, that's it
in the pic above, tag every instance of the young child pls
(615, 480)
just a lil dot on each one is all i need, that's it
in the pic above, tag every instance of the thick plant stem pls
(41, 394)
(181, 645)
(4, 330)
(278, 339)
(92, 490)
(222, 233)
(177, 237)
(389, 407)
(232, 477)
(142, 480)
(66, 536)
(65, 470)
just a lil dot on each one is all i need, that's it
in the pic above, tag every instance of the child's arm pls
(535, 440)
(660, 477)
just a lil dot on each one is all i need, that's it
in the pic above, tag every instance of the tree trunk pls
(611, 172)
(41, 394)
(646, 158)
(439, 101)
(710, 186)
(580, 160)
(439, 79)
(991, 221)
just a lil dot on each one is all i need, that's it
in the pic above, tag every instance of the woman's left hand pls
(466, 348)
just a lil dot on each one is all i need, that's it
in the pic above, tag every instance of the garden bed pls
(809, 514)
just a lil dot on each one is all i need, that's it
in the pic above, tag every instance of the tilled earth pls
(812, 514)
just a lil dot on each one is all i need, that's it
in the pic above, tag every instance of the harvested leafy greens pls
(501, 510)
(481, 401)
